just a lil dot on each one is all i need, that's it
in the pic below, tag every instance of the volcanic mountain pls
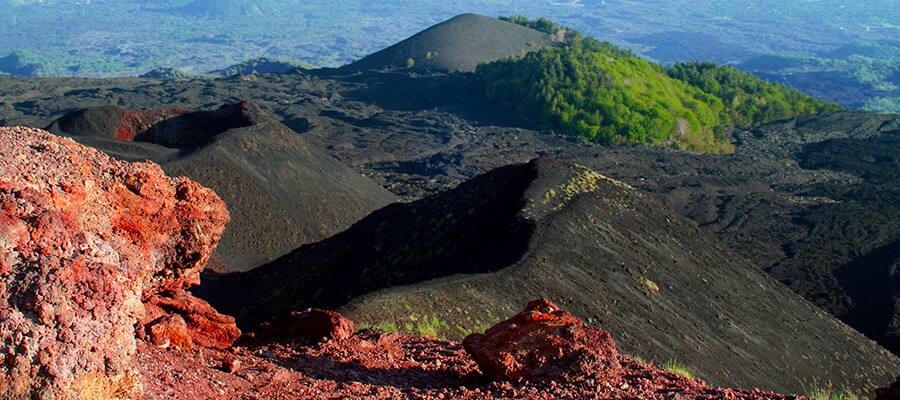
(458, 44)
(281, 192)
(449, 263)
(227, 8)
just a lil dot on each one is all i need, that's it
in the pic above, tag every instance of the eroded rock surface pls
(544, 342)
(83, 239)
(203, 325)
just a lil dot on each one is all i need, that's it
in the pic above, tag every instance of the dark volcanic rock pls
(281, 192)
(544, 342)
(889, 393)
(83, 238)
(609, 252)
(311, 326)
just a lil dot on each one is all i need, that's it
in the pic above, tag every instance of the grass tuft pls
(830, 393)
(679, 369)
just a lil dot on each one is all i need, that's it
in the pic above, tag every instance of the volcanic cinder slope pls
(281, 192)
(616, 256)
(458, 44)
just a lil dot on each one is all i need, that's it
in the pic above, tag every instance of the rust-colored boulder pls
(544, 342)
(891, 392)
(205, 327)
(170, 331)
(312, 326)
(83, 238)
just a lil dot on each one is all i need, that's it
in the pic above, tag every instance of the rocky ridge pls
(85, 240)
(378, 365)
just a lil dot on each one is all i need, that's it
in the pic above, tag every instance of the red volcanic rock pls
(543, 342)
(170, 331)
(83, 238)
(889, 393)
(204, 326)
(135, 122)
(313, 325)
(377, 366)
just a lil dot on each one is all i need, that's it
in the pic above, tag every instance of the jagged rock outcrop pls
(375, 365)
(544, 342)
(312, 326)
(83, 239)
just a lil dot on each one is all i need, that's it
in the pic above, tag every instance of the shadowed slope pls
(281, 192)
(609, 252)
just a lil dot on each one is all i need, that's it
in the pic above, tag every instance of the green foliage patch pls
(601, 93)
(748, 100)
(679, 369)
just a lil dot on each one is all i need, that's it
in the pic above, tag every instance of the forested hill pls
(599, 92)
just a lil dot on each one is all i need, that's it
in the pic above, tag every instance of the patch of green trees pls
(748, 100)
(601, 93)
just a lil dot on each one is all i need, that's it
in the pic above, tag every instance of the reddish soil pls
(135, 122)
(387, 366)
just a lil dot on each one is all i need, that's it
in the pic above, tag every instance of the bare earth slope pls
(281, 192)
(610, 253)
(458, 44)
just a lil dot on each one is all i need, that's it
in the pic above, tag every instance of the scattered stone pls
(544, 343)
(230, 364)
(312, 326)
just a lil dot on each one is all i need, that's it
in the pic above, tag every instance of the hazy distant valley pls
(841, 51)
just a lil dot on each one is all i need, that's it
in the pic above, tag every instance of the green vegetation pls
(826, 390)
(605, 94)
(600, 93)
(427, 326)
(864, 74)
(23, 62)
(677, 368)
(556, 31)
(380, 327)
(541, 24)
(650, 285)
(748, 101)
(832, 394)
(883, 105)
